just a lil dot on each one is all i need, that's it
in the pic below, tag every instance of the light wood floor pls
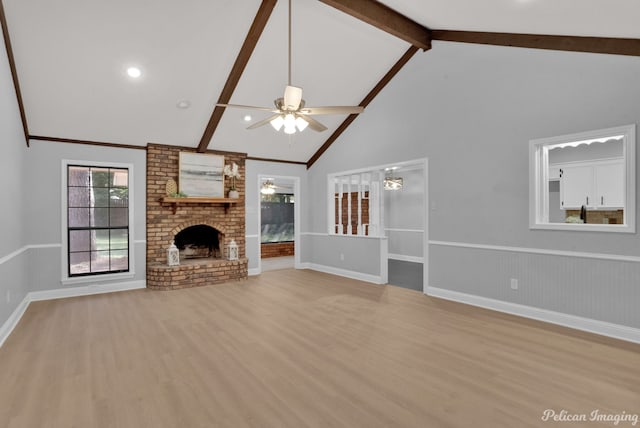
(301, 349)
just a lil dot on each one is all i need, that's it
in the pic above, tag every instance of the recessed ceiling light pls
(247, 117)
(183, 104)
(134, 72)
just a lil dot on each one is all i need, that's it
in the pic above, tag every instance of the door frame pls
(422, 163)
(296, 216)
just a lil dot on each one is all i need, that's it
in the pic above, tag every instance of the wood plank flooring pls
(302, 349)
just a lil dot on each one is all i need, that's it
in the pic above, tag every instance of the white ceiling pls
(71, 57)
(616, 18)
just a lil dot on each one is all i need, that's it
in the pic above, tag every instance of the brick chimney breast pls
(163, 226)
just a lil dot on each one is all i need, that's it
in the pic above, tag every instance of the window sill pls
(581, 227)
(101, 278)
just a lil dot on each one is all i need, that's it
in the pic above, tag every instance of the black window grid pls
(92, 228)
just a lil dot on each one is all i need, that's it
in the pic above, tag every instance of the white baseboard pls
(13, 320)
(254, 271)
(60, 293)
(603, 328)
(86, 290)
(343, 272)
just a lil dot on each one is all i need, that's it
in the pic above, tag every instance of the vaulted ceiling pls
(71, 56)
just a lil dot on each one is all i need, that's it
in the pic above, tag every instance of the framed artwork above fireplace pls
(201, 175)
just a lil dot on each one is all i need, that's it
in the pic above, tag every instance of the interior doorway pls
(405, 224)
(278, 222)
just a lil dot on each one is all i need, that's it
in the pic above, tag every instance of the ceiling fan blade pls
(292, 97)
(313, 124)
(247, 107)
(333, 110)
(263, 122)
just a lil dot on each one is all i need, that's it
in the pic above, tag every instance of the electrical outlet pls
(342, 256)
(8, 296)
(514, 284)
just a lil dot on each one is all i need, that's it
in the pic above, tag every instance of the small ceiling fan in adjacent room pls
(290, 111)
(269, 187)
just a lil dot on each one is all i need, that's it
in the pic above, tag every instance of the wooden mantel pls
(198, 200)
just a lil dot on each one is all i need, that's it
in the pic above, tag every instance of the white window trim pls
(538, 176)
(99, 277)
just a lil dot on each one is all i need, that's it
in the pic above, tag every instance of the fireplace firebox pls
(199, 241)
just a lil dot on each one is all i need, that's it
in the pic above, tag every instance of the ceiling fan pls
(268, 187)
(290, 110)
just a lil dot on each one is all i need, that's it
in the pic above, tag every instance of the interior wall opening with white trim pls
(404, 224)
(278, 222)
(375, 202)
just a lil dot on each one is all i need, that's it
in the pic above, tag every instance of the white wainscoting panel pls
(600, 289)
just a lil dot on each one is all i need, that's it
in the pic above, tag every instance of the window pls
(98, 219)
(584, 181)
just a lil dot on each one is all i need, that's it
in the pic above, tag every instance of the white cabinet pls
(597, 185)
(609, 185)
(576, 186)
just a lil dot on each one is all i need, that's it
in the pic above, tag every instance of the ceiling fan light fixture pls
(289, 123)
(390, 182)
(277, 123)
(393, 183)
(268, 188)
(301, 124)
(289, 120)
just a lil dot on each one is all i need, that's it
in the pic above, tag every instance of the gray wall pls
(43, 216)
(347, 255)
(13, 254)
(472, 110)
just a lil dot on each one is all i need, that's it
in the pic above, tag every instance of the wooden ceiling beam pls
(14, 72)
(386, 19)
(365, 102)
(275, 160)
(87, 142)
(250, 42)
(602, 45)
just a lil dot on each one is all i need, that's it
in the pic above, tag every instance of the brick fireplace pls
(202, 231)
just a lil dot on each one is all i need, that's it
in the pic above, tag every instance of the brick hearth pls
(195, 272)
(163, 224)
